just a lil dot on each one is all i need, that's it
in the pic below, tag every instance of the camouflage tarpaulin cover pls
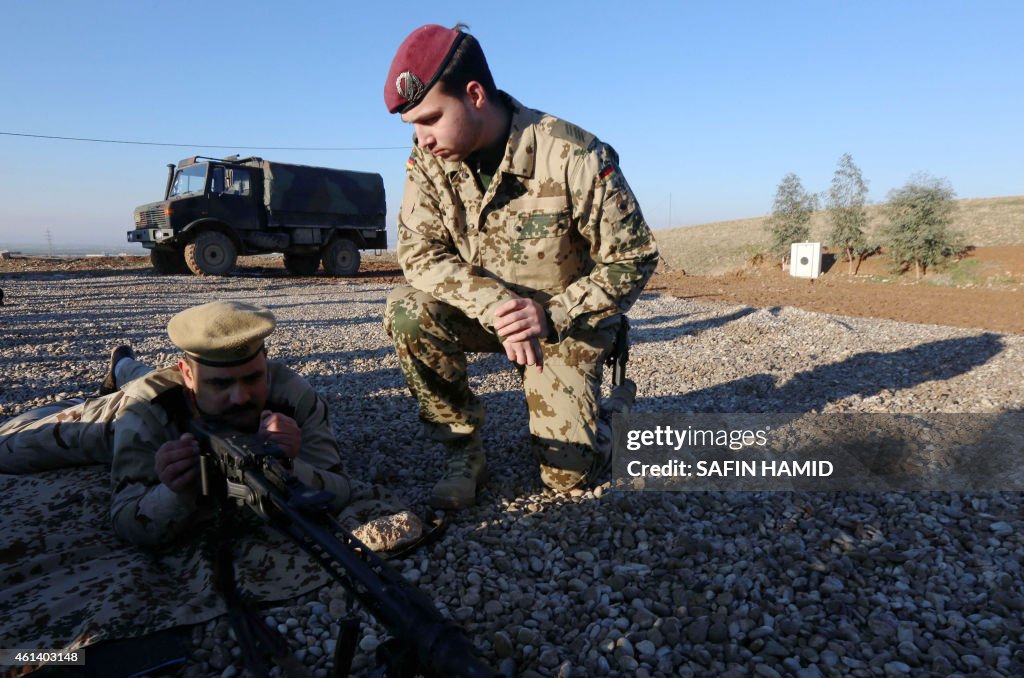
(67, 581)
(300, 188)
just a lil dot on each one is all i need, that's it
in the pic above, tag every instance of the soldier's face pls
(449, 126)
(235, 394)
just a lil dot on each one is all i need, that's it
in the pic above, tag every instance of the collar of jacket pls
(521, 147)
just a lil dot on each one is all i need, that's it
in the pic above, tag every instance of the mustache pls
(239, 410)
(245, 418)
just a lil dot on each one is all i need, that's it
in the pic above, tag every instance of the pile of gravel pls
(608, 582)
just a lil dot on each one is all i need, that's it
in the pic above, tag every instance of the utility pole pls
(670, 209)
(49, 242)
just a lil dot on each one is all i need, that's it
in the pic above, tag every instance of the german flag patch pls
(410, 163)
(607, 172)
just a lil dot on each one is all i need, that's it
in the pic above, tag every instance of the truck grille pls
(152, 219)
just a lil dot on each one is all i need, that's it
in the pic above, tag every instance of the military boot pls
(109, 384)
(465, 473)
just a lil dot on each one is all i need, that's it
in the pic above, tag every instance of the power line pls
(258, 148)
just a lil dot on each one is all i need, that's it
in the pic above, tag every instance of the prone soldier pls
(142, 428)
(518, 234)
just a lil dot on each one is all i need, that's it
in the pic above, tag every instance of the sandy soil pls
(986, 294)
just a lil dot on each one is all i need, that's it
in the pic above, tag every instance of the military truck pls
(215, 209)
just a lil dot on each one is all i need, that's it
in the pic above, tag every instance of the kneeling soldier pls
(518, 234)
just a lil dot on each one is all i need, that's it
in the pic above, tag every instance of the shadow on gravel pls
(865, 374)
(361, 383)
(337, 322)
(55, 336)
(337, 359)
(112, 314)
(641, 330)
(329, 303)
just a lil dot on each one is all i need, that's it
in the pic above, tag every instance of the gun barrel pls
(440, 648)
(427, 643)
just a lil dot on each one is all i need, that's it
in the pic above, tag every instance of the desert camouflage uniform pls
(559, 224)
(68, 581)
(126, 428)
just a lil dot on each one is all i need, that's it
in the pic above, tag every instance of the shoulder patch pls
(411, 162)
(570, 132)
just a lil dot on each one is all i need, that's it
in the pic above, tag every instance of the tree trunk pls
(917, 270)
(860, 259)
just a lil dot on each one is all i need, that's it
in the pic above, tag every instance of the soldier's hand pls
(282, 430)
(177, 463)
(526, 352)
(520, 319)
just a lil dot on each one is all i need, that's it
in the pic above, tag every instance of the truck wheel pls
(341, 257)
(168, 260)
(211, 253)
(301, 264)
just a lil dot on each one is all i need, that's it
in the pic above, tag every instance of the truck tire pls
(301, 264)
(211, 253)
(341, 257)
(168, 260)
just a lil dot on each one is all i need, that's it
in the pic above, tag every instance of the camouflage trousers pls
(67, 433)
(62, 434)
(432, 339)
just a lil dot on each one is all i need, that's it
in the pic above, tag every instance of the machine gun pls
(257, 474)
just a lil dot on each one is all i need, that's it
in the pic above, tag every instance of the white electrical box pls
(805, 259)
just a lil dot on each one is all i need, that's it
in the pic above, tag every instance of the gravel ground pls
(607, 582)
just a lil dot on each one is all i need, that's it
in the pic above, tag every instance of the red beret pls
(418, 63)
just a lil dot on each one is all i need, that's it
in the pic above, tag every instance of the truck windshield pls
(192, 179)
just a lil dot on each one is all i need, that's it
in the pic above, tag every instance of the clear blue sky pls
(710, 103)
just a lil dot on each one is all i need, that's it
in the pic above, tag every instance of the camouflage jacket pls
(156, 408)
(558, 223)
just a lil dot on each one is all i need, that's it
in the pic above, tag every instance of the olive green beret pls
(221, 333)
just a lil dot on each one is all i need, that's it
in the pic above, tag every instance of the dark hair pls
(467, 64)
